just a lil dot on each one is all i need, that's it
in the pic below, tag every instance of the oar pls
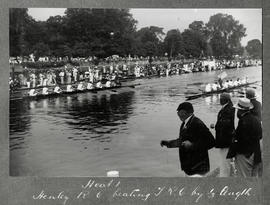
(240, 92)
(15, 99)
(253, 87)
(191, 92)
(203, 91)
(257, 84)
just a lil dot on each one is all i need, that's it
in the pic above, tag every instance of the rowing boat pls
(202, 94)
(26, 96)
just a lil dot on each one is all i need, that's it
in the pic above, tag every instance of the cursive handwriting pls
(236, 194)
(135, 193)
(44, 196)
(93, 184)
(198, 195)
(94, 188)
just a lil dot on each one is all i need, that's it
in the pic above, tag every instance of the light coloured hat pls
(250, 93)
(244, 104)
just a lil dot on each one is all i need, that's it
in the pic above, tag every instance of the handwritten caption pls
(113, 189)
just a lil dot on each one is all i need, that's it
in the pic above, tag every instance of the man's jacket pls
(194, 160)
(225, 126)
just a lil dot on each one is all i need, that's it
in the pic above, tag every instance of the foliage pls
(254, 48)
(225, 34)
(148, 41)
(21, 27)
(173, 43)
(105, 32)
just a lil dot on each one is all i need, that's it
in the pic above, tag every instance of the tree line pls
(106, 32)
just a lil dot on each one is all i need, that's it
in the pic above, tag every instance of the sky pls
(177, 18)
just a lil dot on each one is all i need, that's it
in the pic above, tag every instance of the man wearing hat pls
(257, 112)
(194, 141)
(247, 151)
(224, 132)
(257, 109)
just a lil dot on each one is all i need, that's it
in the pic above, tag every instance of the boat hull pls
(21, 96)
(192, 97)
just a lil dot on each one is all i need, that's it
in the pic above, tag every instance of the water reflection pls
(92, 132)
(19, 122)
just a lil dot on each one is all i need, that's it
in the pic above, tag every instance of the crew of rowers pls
(220, 85)
(81, 86)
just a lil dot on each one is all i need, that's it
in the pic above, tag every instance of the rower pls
(208, 88)
(226, 84)
(113, 83)
(80, 86)
(45, 91)
(57, 89)
(230, 84)
(90, 86)
(215, 86)
(32, 92)
(70, 88)
(236, 83)
(99, 84)
(108, 84)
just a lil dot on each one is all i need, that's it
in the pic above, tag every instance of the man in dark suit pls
(257, 106)
(257, 112)
(247, 140)
(194, 141)
(224, 132)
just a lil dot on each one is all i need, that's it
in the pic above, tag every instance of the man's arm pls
(170, 143)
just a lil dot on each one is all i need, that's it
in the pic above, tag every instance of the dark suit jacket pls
(225, 126)
(194, 160)
(248, 135)
(257, 110)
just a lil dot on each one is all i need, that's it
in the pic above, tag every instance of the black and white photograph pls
(154, 92)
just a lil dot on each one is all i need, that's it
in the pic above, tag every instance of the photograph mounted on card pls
(105, 91)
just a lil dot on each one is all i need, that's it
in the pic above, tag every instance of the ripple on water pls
(91, 133)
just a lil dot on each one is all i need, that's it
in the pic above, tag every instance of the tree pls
(26, 34)
(173, 43)
(102, 32)
(18, 27)
(55, 34)
(195, 40)
(254, 48)
(197, 26)
(40, 49)
(148, 41)
(225, 34)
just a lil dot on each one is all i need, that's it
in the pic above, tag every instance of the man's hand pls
(187, 144)
(164, 143)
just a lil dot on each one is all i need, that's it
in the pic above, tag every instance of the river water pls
(90, 134)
